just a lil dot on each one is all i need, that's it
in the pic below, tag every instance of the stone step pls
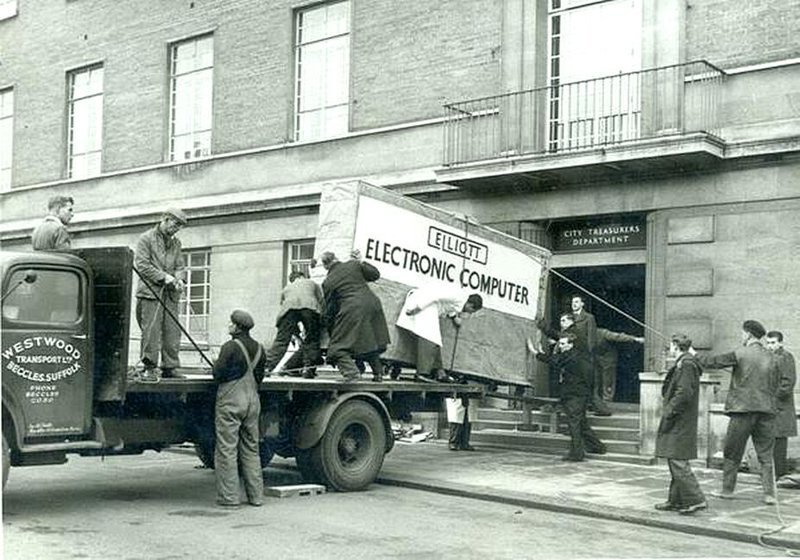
(558, 442)
(625, 420)
(531, 448)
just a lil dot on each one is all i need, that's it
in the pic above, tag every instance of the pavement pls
(596, 488)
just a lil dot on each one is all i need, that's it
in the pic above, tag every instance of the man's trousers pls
(760, 426)
(683, 488)
(160, 333)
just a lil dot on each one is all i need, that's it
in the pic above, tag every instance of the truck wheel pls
(350, 454)
(6, 461)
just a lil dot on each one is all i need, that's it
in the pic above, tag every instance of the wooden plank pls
(294, 490)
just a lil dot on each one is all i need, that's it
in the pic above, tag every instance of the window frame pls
(298, 45)
(172, 80)
(304, 264)
(71, 103)
(186, 300)
(8, 171)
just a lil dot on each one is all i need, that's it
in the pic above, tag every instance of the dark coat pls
(586, 328)
(231, 365)
(754, 378)
(353, 314)
(786, 417)
(575, 372)
(677, 433)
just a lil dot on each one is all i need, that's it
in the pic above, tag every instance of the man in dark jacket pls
(301, 303)
(676, 439)
(750, 407)
(51, 234)
(353, 315)
(786, 415)
(238, 371)
(605, 362)
(586, 328)
(575, 372)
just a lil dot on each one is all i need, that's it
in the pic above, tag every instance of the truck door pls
(46, 353)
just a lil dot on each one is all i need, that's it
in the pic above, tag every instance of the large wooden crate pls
(415, 244)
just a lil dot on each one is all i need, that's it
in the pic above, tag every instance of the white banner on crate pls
(412, 249)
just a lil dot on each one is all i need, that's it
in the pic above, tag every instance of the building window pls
(300, 255)
(8, 8)
(6, 137)
(196, 299)
(322, 70)
(585, 45)
(191, 93)
(85, 141)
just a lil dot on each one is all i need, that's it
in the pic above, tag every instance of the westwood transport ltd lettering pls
(441, 269)
(42, 350)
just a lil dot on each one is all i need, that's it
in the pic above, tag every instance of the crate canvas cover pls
(413, 244)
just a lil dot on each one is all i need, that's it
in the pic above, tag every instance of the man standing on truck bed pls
(301, 302)
(353, 315)
(160, 266)
(239, 371)
(51, 234)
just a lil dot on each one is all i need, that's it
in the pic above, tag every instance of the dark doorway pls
(622, 286)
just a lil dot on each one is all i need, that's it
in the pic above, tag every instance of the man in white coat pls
(420, 316)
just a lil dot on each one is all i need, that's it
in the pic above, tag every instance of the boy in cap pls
(160, 265)
(51, 234)
(750, 406)
(239, 370)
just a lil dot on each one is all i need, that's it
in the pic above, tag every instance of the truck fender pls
(12, 420)
(315, 421)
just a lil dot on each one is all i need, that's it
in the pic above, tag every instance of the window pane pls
(322, 66)
(192, 98)
(54, 297)
(7, 103)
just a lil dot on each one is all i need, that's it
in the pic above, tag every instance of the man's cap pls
(178, 214)
(242, 319)
(755, 328)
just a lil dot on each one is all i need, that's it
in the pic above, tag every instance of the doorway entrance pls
(624, 287)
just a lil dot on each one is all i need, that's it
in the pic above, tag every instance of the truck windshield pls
(55, 297)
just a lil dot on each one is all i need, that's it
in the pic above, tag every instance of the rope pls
(609, 305)
(783, 525)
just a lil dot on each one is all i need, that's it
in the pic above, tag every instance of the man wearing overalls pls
(238, 372)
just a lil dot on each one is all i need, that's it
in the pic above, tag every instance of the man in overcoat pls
(676, 439)
(238, 372)
(353, 315)
(586, 328)
(575, 373)
(786, 414)
(750, 407)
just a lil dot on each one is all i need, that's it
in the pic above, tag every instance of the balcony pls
(650, 121)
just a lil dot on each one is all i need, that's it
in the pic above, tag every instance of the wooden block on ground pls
(294, 490)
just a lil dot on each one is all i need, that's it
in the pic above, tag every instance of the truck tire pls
(6, 461)
(350, 453)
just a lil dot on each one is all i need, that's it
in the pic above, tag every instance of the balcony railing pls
(587, 114)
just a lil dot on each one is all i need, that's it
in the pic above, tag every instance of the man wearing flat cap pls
(238, 371)
(160, 266)
(750, 407)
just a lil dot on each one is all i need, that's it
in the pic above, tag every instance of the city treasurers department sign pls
(600, 235)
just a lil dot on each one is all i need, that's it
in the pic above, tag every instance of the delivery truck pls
(66, 319)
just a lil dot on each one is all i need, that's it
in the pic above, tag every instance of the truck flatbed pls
(199, 380)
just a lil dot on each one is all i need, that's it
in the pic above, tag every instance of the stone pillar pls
(650, 384)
